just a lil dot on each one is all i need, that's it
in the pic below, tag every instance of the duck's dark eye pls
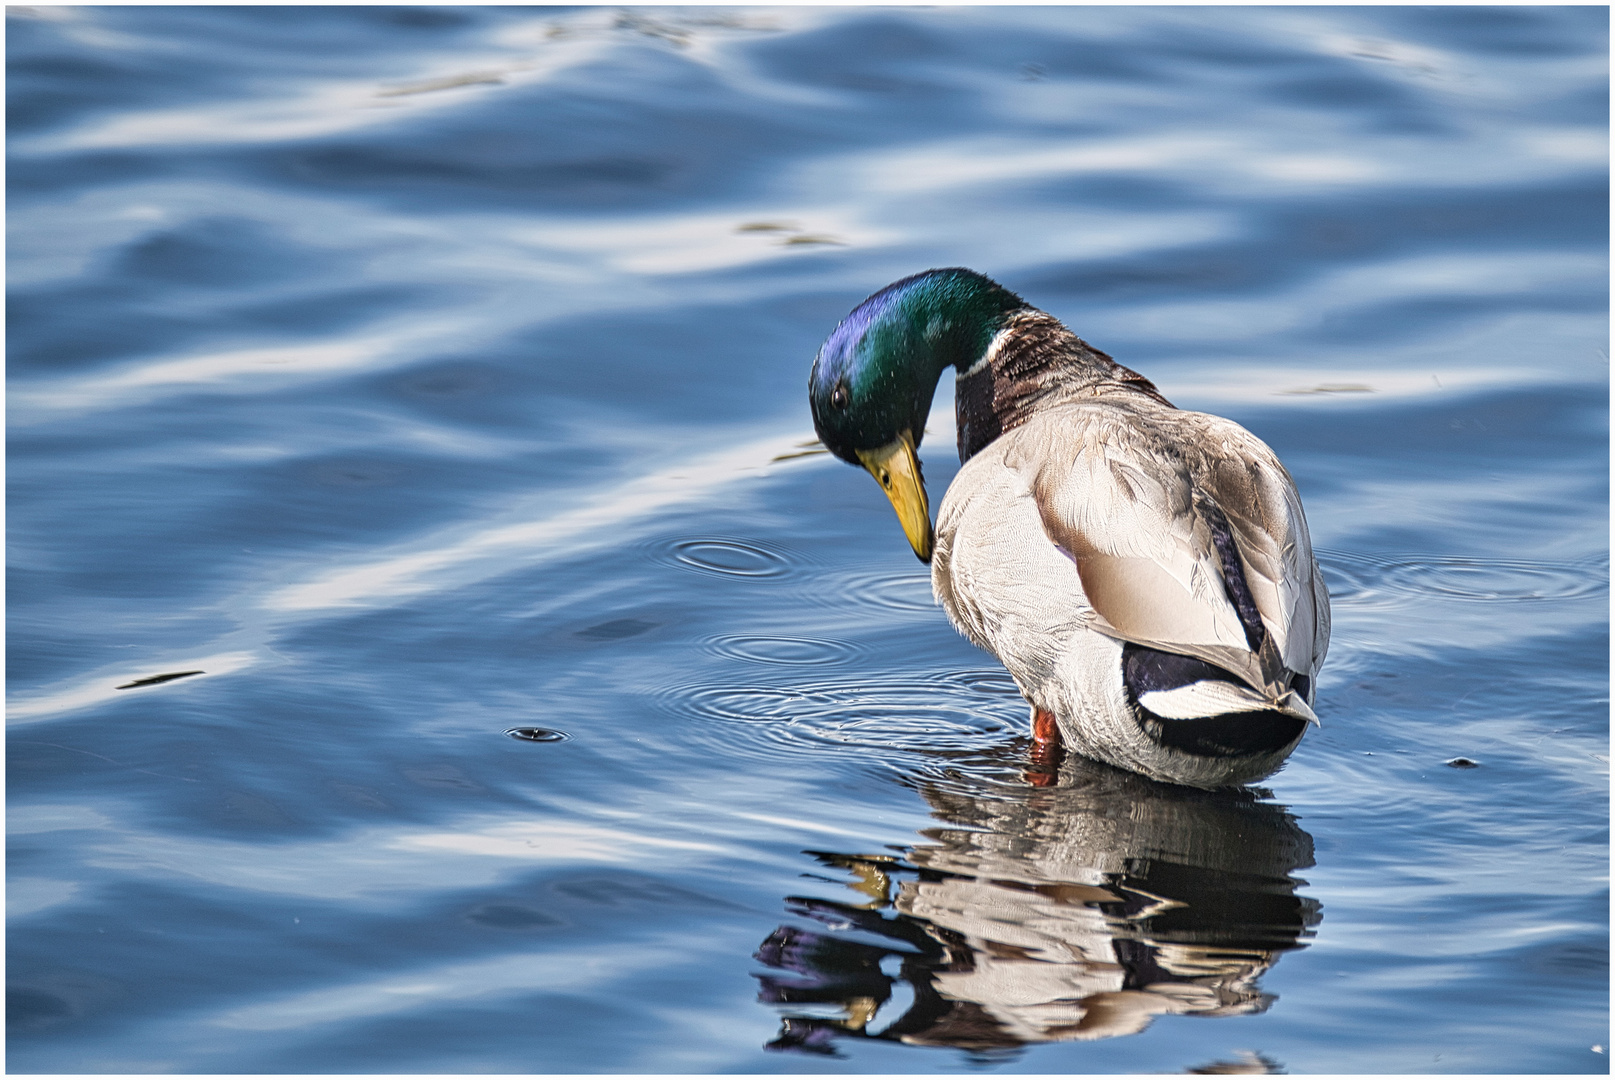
(838, 396)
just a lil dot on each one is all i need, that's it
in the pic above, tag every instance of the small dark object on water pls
(153, 680)
(1463, 763)
(537, 734)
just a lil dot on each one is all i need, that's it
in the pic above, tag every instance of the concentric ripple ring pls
(730, 557)
(795, 651)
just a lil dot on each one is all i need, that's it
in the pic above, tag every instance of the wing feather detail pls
(1258, 497)
(1137, 501)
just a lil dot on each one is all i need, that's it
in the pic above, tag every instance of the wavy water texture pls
(436, 643)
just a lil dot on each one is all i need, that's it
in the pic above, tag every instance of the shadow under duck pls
(1143, 572)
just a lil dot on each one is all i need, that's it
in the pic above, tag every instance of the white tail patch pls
(1213, 697)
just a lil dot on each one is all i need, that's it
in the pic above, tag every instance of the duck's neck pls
(1032, 360)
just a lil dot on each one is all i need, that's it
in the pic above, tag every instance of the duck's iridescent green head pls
(874, 378)
(876, 374)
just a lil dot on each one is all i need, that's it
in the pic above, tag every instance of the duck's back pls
(1114, 519)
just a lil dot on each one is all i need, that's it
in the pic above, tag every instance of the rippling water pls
(411, 377)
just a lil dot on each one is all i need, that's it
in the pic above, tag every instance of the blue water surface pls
(416, 375)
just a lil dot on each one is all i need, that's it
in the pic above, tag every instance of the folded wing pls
(1188, 537)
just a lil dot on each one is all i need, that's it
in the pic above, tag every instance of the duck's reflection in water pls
(1075, 912)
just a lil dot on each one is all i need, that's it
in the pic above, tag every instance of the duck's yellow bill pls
(897, 470)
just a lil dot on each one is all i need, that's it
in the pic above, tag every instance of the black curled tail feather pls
(1233, 574)
(1258, 731)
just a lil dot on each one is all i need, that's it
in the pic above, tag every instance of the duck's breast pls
(995, 572)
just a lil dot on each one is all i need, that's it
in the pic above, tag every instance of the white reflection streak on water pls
(1444, 364)
(1371, 503)
(549, 971)
(1258, 385)
(393, 578)
(52, 817)
(1355, 288)
(240, 368)
(798, 824)
(1231, 159)
(680, 243)
(102, 685)
(491, 550)
(513, 55)
(543, 841)
(381, 865)
(30, 895)
(688, 243)
(676, 243)
(390, 866)
(303, 111)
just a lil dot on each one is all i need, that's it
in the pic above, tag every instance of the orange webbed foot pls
(1048, 749)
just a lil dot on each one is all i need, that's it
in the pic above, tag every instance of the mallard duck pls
(1143, 572)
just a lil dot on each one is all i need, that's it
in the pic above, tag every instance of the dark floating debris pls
(537, 734)
(153, 680)
(799, 238)
(1462, 763)
(812, 238)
